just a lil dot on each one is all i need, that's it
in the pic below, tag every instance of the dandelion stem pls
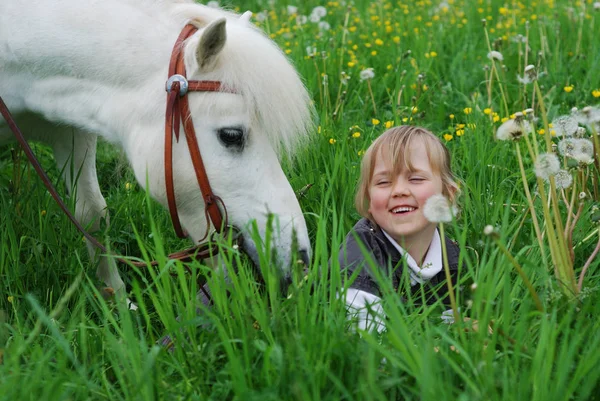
(448, 276)
(536, 299)
(588, 263)
(372, 97)
(530, 204)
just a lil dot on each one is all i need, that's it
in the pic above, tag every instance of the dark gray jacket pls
(389, 260)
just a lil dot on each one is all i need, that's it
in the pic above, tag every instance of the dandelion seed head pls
(301, 19)
(495, 55)
(589, 116)
(585, 146)
(580, 132)
(564, 126)
(582, 195)
(566, 147)
(563, 179)
(488, 230)
(319, 11)
(367, 74)
(213, 4)
(546, 165)
(324, 26)
(437, 209)
(513, 129)
(291, 10)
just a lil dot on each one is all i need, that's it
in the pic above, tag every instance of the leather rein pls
(177, 112)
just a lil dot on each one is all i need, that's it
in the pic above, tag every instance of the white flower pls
(301, 19)
(547, 164)
(314, 18)
(529, 76)
(583, 158)
(319, 11)
(488, 230)
(213, 4)
(589, 116)
(437, 209)
(596, 5)
(311, 51)
(324, 26)
(580, 132)
(494, 55)
(566, 147)
(563, 179)
(261, 16)
(366, 74)
(513, 129)
(292, 10)
(584, 146)
(564, 126)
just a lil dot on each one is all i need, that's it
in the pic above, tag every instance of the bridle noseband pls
(178, 111)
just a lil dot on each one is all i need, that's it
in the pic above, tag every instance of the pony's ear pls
(211, 43)
(245, 17)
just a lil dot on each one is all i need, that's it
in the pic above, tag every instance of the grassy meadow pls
(60, 340)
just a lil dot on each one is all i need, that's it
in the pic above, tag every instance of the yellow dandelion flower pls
(448, 137)
(288, 51)
(375, 121)
(319, 129)
(43, 213)
(451, 116)
(11, 299)
(550, 125)
(504, 119)
(467, 110)
(596, 93)
(541, 131)
(425, 87)
(127, 186)
(374, 53)
(414, 109)
(433, 54)
(460, 132)
(389, 66)
(351, 64)
(496, 118)
(378, 42)
(332, 141)
(487, 111)
(552, 132)
(388, 124)
(352, 29)
(568, 88)
(460, 126)
(356, 135)
(389, 29)
(396, 39)
(361, 152)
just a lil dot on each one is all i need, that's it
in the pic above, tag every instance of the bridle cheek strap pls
(178, 112)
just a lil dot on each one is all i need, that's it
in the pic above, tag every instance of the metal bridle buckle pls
(183, 84)
(236, 235)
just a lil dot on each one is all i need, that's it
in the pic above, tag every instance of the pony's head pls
(243, 134)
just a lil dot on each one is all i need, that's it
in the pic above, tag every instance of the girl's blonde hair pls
(397, 142)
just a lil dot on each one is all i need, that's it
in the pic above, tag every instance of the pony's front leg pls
(75, 154)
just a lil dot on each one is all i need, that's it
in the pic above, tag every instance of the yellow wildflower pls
(388, 124)
(361, 152)
(414, 109)
(460, 132)
(496, 118)
(467, 110)
(504, 119)
(378, 42)
(332, 141)
(288, 51)
(352, 29)
(43, 213)
(451, 116)
(448, 137)
(541, 131)
(433, 54)
(127, 186)
(319, 129)
(568, 88)
(351, 64)
(389, 66)
(375, 121)
(596, 93)
(356, 134)
(425, 87)
(487, 111)
(11, 299)
(396, 39)
(460, 126)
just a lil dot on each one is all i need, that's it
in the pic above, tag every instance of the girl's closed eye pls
(417, 179)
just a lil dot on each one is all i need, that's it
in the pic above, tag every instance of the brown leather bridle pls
(177, 111)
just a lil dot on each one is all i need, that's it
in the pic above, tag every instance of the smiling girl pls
(402, 168)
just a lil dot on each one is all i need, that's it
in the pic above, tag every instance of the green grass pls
(61, 340)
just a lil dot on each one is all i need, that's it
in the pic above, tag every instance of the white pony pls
(71, 70)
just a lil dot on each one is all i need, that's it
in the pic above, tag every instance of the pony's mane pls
(256, 68)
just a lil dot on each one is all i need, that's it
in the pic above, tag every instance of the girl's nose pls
(400, 188)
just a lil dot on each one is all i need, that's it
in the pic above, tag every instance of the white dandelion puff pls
(314, 18)
(213, 4)
(324, 26)
(495, 55)
(589, 116)
(583, 158)
(566, 147)
(563, 179)
(546, 165)
(513, 129)
(584, 146)
(580, 132)
(320, 11)
(488, 230)
(301, 19)
(564, 126)
(261, 16)
(291, 10)
(366, 74)
(437, 209)
(596, 5)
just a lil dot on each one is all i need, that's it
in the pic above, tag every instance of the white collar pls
(432, 264)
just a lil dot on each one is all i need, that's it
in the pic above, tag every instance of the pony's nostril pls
(304, 256)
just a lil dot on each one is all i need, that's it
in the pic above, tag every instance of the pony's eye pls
(231, 136)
